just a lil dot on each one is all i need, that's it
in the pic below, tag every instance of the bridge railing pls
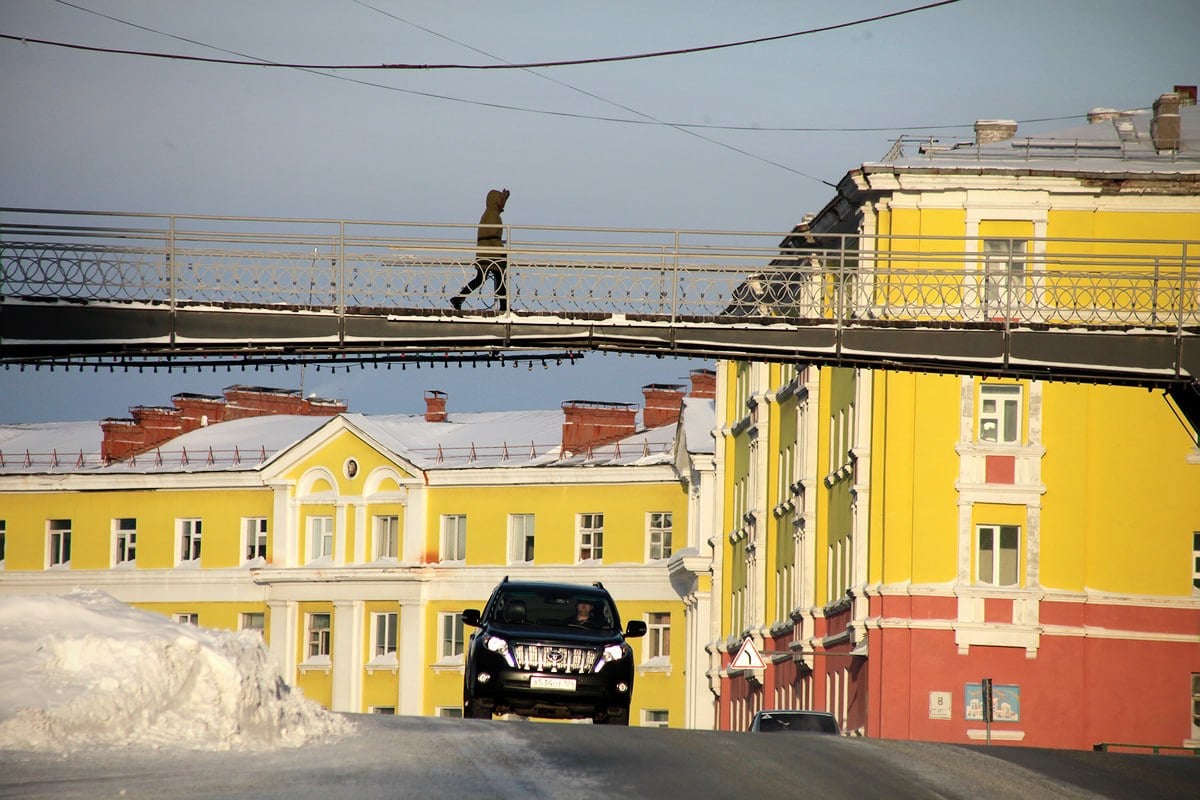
(699, 276)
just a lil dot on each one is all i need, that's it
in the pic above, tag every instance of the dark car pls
(549, 650)
(794, 721)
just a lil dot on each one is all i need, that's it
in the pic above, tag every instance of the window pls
(998, 555)
(385, 710)
(59, 541)
(520, 538)
(189, 539)
(1196, 705)
(387, 537)
(254, 534)
(318, 628)
(999, 413)
(3, 532)
(454, 537)
(1004, 273)
(450, 712)
(656, 718)
(658, 635)
(659, 524)
(591, 537)
(124, 540)
(253, 621)
(1195, 555)
(451, 628)
(320, 538)
(187, 618)
(383, 634)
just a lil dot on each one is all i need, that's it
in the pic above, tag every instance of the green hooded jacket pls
(490, 232)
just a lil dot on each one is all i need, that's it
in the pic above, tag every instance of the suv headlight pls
(500, 647)
(613, 652)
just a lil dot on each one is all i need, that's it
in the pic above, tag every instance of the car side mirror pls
(635, 628)
(470, 616)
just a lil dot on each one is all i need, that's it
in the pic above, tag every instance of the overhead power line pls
(499, 66)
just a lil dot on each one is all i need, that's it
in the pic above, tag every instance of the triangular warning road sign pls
(747, 657)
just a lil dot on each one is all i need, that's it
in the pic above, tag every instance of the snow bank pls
(83, 670)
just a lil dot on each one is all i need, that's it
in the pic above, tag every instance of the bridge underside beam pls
(45, 331)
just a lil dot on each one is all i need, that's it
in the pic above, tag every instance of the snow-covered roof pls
(463, 441)
(1120, 143)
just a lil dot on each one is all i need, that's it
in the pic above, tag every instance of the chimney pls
(198, 410)
(663, 401)
(704, 384)
(435, 406)
(122, 438)
(587, 423)
(1102, 115)
(988, 131)
(260, 401)
(153, 425)
(1164, 126)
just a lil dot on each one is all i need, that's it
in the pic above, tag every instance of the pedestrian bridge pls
(87, 289)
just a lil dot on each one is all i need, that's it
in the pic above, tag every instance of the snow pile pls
(83, 670)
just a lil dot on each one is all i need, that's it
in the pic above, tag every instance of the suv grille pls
(554, 658)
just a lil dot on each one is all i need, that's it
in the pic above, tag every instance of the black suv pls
(549, 650)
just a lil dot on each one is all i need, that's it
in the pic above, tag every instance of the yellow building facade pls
(894, 538)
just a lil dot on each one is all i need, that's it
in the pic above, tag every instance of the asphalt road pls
(417, 757)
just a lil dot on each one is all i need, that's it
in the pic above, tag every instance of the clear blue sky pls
(98, 131)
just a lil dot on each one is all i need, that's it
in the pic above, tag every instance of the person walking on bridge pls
(490, 259)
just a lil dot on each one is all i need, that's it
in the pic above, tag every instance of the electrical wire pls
(256, 61)
(501, 66)
(647, 117)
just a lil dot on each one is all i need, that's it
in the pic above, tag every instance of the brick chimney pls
(662, 404)
(1164, 125)
(198, 410)
(153, 425)
(704, 384)
(988, 131)
(435, 406)
(587, 423)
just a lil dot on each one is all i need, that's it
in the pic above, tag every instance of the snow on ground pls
(82, 670)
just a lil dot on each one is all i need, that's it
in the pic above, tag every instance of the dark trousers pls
(494, 267)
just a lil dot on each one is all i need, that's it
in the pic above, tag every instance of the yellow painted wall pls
(156, 512)
(555, 508)
(914, 505)
(1121, 500)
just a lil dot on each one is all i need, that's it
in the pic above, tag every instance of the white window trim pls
(388, 660)
(322, 661)
(996, 531)
(53, 533)
(196, 526)
(579, 533)
(260, 529)
(117, 534)
(378, 537)
(314, 556)
(444, 538)
(1001, 393)
(669, 530)
(443, 658)
(517, 539)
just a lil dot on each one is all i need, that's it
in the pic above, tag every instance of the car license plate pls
(558, 684)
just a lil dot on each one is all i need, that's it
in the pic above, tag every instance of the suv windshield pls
(554, 609)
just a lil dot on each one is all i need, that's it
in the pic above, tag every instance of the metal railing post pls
(675, 282)
(172, 275)
(341, 279)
